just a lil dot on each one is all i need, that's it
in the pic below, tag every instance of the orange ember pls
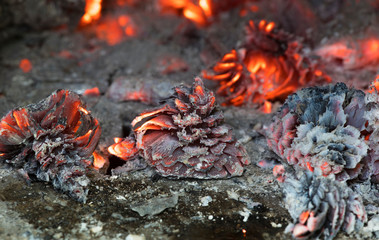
(113, 31)
(353, 54)
(123, 148)
(92, 12)
(199, 13)
(98, 160)
(267, 107)
(95, 92)
(25, 65)
(263, 70)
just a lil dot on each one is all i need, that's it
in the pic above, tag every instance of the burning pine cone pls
(186, 137)
(372, 115)
(322, 207)
(322, 128)
(51, 140)
(268, 67)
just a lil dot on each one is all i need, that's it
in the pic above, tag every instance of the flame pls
(98, 160)
(92, 12)
(25, 65)
(200, 13)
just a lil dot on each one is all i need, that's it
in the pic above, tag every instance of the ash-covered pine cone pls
(321, 207)
(323, 128)
(372, 115)
(268, 66)
(52, 141)
(186, 137)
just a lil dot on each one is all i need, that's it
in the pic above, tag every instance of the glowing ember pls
(123, 148)
(51, 140)
(185, 137)
(269, 67)
(92, 12)
(200, 13)
(25, 65)
(94, 92)
(353, 54)
(113, 31)
(98, 160)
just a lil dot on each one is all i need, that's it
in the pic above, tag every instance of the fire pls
(199, 13)
(357, 54)
(25, 65)
(263, 71)
(98, 160)
(113, 31)
(92, 12)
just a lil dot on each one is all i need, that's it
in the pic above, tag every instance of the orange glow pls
(113, 31)
(25, 65)
(353, 54)
(92, 12)
(98, 160)
(206, 7)
(374, 87)
(95, 92)
(83, 110)
(123, 148)
(200, 13)
(304, 217)
(309, 166)
(267, 107)
(260, 74)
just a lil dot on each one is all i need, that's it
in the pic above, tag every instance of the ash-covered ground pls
(141, 202)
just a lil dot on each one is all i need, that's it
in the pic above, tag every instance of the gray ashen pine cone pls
(323, 128)
(321, 207)
(372, 115)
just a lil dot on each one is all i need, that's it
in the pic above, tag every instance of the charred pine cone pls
(186, 137)
(323, 128)
(269, 66)
(321, 207)
(372, 115)
(52, 141)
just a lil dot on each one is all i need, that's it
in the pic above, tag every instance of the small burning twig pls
(268, 67)
(185, 137)
(52, 140)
